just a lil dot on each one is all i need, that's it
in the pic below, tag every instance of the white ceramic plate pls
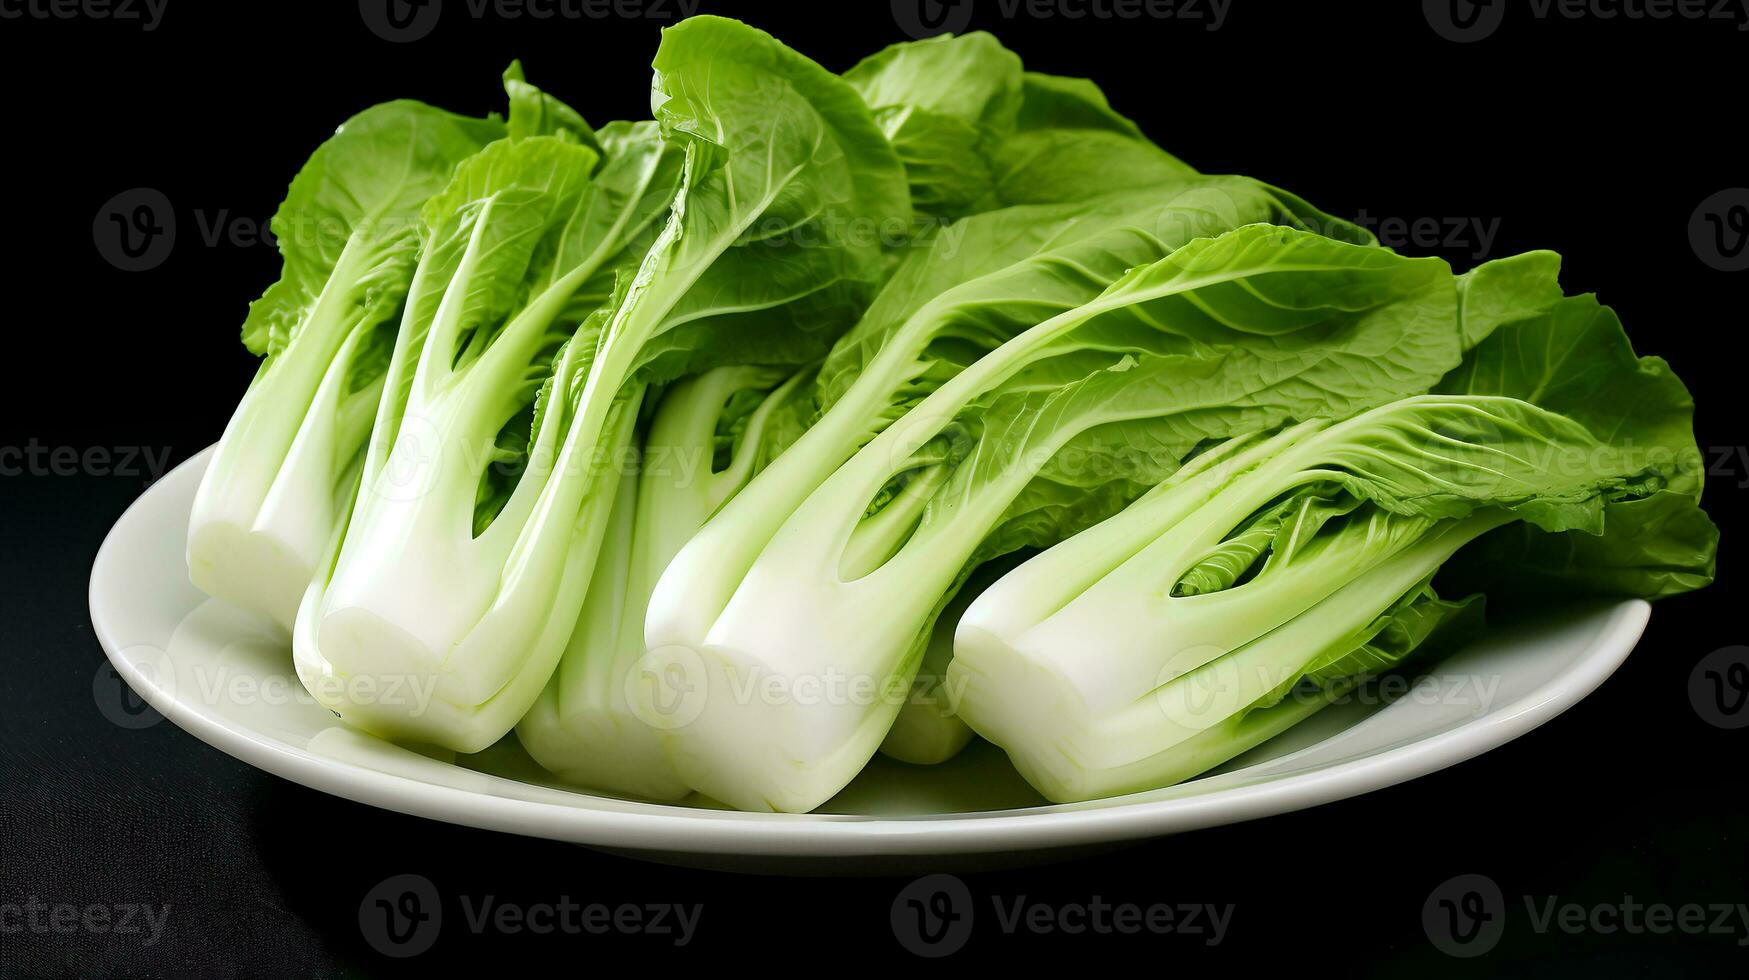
(227, 678)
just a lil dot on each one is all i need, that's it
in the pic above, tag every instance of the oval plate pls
(227, 678)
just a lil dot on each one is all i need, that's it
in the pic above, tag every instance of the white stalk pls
(584, 728)
(287, 465)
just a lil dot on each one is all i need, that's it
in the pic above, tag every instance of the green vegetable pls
(482, 386)
(455, 578)
(708, 437)
(823, 415)
(1275, 572)
(288, 463)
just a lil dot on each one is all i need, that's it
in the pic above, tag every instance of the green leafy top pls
(977, 132)
(1570, 479)
(1576, 359)
(1055, 102)
(535, 113)
(971, 78)
(773, 242)
(990, 276)
(1222, 337)
(357, 200)
(945, 103)
(1064, 424)
(520, 248)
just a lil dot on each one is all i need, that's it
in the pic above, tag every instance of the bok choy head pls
(286, 467)
(1279, 570)
(734, 231)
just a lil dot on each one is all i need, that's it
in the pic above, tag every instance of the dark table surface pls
(139, 851)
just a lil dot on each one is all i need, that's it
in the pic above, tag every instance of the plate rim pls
(662, 827)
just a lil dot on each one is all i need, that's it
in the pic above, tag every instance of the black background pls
(1594, 137)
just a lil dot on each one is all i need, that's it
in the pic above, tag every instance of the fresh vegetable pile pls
(703, 451)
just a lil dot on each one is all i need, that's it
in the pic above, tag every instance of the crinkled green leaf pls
(535, 113)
